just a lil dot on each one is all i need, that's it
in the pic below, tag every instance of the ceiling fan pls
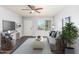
(33, 8)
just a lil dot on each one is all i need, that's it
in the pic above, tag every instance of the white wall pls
(35, 27)
(6, 14)
(73, 12)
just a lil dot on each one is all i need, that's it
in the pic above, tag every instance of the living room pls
(28, 24)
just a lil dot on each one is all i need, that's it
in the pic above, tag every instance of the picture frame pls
(44, 25)
(65, 20)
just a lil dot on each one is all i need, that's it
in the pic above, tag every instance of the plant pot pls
(69, 50)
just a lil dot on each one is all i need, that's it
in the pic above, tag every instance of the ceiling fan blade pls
(37, 11)
(38, 8)
(32, 7)
(29, 6)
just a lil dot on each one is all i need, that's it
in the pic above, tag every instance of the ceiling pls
(48, 10)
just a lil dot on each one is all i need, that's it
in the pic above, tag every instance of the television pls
(8, 25)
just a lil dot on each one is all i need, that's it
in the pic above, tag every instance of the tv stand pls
(8, 40)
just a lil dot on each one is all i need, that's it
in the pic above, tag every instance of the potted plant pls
(69, 34)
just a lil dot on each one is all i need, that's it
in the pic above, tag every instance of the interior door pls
(28, 28)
